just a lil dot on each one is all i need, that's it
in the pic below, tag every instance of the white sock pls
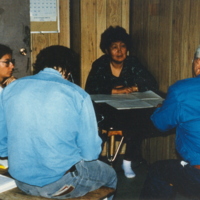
(128, 172)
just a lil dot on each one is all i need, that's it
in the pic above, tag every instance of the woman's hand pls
(8, 80)
(124, 90)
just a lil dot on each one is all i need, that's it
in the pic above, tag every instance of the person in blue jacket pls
(49, 131)
(180, 110)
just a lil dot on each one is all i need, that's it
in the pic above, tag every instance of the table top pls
(134, 100)
(128, 118)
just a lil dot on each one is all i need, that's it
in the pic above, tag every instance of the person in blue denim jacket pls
(49, 131)
(180, 110)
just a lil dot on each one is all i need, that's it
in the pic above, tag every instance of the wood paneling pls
(88, 36)
(81, 26)
(64, 35)
(101, 19)
(165, 35)
(96, 16)
(42, 40)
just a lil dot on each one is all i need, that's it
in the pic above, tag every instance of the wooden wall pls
(94, 17)
(81, 25)
(165, 35)
(42, 40)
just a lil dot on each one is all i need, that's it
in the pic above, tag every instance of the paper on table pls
(6, 183)
(3, 163)
(134, 100)
(154, 102)
(146, 95)
(149, 103)
(122, 105)
(101, 98)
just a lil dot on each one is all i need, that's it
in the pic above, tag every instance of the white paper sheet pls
(6, 183)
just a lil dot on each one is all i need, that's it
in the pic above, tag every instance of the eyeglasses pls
(9, 62)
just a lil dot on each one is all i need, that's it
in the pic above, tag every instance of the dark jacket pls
(101, 81)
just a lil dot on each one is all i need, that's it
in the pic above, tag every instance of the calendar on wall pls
(44, 16)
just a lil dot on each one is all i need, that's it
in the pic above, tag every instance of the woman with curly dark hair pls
(117, 73)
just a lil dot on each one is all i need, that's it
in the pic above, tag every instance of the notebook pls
(6, 183)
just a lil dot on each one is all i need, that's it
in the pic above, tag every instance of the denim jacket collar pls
(51, 71)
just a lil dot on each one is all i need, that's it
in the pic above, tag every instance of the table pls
(126, 112)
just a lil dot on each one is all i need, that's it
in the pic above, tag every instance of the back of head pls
(4, 50)
(197, 53)
(114, 34)
(56, 56)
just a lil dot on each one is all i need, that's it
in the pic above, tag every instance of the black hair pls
(5, 50)
(56, 56)
(114, 34)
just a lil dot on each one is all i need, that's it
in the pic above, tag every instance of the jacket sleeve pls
(98, 81)
(3, 131)
(88, 139)
(168, 115)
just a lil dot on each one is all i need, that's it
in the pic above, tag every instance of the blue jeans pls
(89, 176)
(166, 178)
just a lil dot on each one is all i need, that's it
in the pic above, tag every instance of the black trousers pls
(133, 142)
(166, 178)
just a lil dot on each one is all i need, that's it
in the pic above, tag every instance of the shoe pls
(128, 172)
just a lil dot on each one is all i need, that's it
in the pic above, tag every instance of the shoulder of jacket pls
(102, 59)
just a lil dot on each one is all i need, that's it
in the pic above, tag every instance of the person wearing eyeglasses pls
(6, 66)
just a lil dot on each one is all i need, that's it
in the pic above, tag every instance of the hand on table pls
(124, 90)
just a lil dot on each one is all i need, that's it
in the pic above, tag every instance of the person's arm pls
(124, 90)
(98, 81)
(3, 131)
(88, 139)
(167, 116)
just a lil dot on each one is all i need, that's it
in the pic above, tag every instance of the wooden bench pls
(16, 194)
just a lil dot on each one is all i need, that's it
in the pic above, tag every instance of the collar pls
(198, 76)
(51, 71)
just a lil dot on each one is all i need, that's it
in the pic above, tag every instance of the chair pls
(111, 150)
(99, 194)
(110, 140)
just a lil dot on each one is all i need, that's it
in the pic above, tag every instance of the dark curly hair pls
(56, 56)
(5, 50)
(114, 34)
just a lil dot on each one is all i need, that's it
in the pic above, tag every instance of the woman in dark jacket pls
(117, 73)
